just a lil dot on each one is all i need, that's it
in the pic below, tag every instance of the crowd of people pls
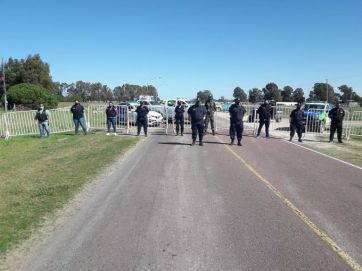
(201, 115)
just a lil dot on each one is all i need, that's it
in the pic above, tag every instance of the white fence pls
(21, 122)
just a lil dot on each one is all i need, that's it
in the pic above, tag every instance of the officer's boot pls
(201, 143)
(213, 132)
(291, 138)
(193, 142)
(239, 142)
(232, 141)
(300, 140)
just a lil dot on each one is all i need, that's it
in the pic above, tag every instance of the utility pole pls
(4, 85)
(327, 89)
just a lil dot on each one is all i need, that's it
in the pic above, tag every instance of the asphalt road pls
(170, 206)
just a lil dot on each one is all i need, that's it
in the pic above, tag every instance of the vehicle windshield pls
(313, 106)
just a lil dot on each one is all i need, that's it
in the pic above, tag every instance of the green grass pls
(40, 175)
(350, 151)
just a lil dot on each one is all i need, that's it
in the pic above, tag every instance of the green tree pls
(287, 94)
(203, 95)
(240, 93)
(271, 92)
(347, 93)
(30, 96)
(298, 95)
(255, 95)
(30, 70)
(320, 92)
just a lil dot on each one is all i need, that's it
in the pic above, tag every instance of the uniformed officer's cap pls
(237, 100)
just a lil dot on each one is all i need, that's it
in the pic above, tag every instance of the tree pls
(298, 95)
(255, 95)
(271, 92)
(320, 92)
(128, 92)
(30, 96)
(203, 95)
(30, 70)
(240, 93)
(347, 93)
(287, 94)
(222, 99)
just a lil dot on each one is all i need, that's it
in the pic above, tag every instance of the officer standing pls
(142, 120)
(197, 113)
(264, 112)
(179, 118)
(337, 115)
(210, 108)
(296, 123)
(236, 112)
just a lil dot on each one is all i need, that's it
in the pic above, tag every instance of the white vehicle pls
(316, 115)
(171, 105)
(154, 118)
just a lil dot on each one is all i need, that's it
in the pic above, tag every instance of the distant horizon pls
(188, 46)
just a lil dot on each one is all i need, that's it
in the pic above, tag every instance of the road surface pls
(170, 206)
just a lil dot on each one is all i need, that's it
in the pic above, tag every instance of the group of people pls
(201, 116)
(297, 121)
(43, 119)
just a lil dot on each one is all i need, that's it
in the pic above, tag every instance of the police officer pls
(236, 112)
(296, 123)
(264, 112)
(142, 120)
(179, 118)
(337, 115)
(197, 113)
(210, 108)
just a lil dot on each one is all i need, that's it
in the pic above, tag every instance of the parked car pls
(316, 116)
(170, 107)
(154, 118)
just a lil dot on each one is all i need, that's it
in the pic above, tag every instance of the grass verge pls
(38, 176)
(350, 151)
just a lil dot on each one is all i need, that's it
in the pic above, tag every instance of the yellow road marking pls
(320, 233)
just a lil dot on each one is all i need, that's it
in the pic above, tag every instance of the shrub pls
(30, 96)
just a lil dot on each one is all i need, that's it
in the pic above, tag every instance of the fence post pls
(7, 133)
(127, 119)
(166, 127)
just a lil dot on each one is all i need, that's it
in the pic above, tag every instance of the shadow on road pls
(174, 143)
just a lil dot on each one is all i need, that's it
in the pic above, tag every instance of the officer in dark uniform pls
(210, 108)
(336, 115)
(236, 112)
(179, 118)
(296, 123)
(197, 113)
(142, 120)
(264, 112)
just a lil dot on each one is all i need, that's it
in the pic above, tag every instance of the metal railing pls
(17, 123)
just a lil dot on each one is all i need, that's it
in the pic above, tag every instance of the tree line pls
(29, 78)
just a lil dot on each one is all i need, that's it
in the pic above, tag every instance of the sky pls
(182, 47)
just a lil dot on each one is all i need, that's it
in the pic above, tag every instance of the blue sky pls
(182, 47)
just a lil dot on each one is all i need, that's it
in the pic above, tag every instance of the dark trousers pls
(238, 128)
(261, 124)
(142, 123)
(209, 118)
(197, 128)
(336, 126)
(298, 127)
(180, 124)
